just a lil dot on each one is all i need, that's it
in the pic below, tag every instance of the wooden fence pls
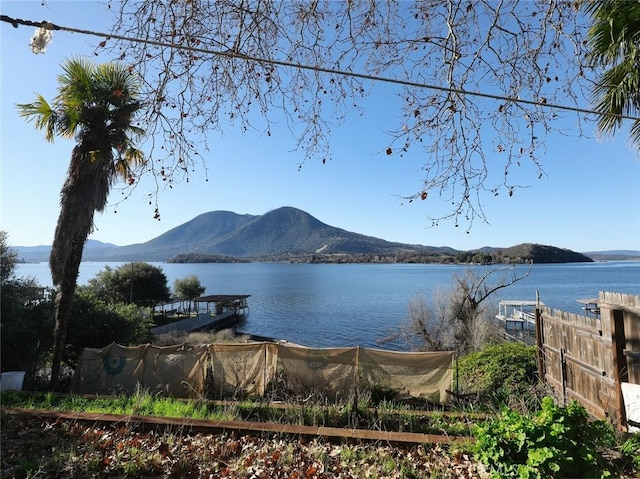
(588, 358)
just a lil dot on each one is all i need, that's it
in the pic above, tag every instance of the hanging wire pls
(15, 22)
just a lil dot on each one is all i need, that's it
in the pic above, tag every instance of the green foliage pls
(556, 442)
(631, 450)
(8, 258)
(613, 44)
(188, 288)
(475, 258)
(507, 365)
(205, 258)
(95, 323)
(27, 325)
(140, 283)
(27, 318)
(315, 414)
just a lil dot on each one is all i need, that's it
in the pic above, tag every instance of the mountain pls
(35, 254)
(541, 254)
(614, 255)
(282, 231)
(281, 234)
(200, 235)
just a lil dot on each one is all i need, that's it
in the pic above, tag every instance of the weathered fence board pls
(586, 358)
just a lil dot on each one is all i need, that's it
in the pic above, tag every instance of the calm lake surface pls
(337, 305)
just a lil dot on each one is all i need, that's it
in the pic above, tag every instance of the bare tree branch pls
(473, 146)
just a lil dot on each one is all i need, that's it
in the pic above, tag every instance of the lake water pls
(338, 305)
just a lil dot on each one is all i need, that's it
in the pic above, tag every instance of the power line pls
(15, 22)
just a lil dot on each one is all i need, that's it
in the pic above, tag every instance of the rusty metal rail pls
(194, 426)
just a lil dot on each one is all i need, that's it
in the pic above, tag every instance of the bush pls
(506, 365)
(26, 329)
(556, 442)
(95, 324)
(630, 450)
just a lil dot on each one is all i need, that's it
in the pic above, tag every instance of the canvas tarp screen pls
(178, 371)
(425, 375)
(246, 368)
(249, 368)
(332, 370)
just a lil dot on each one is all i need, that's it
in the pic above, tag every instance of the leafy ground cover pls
(32, 448)
(548, 443)
(556, 442)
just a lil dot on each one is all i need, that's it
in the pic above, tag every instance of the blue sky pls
(589, 200)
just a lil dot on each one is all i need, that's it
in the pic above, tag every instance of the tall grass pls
(385, 416)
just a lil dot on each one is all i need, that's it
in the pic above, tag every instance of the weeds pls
(387, 416)
(630, 450)
(556, 442)
(85, 451)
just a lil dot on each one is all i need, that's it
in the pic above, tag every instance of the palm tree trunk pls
(84, 192)
(63, 302)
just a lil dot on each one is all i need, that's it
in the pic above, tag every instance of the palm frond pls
(41, 114)
(134, 156)
(615, 31)
(616, 93)
(136, 132)
(75, 81)
(118, 77)
(614, 42)
(634, 133)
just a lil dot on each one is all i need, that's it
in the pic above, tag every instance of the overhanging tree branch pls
(480, 84)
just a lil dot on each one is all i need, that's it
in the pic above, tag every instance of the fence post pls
(539, 344)
(618, 343)
(354, 413)
(563, 376)
(264, 370)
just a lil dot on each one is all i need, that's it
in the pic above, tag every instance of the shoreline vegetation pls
(521, 254)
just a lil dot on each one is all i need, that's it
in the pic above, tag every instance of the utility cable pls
(15, 22)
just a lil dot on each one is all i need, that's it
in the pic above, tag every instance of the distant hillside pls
(36, 254)
(615, 255)
(290, 234)
(290, 230)
(541, 254)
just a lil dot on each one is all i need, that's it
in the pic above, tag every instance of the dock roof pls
(221, 298)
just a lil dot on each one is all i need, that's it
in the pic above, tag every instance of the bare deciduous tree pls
(474, 80)
(460, 320)
(427, 328)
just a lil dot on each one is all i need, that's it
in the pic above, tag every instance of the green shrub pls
(505, 365)
(556, 442)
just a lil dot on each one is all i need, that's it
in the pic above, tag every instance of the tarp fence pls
(253, 369)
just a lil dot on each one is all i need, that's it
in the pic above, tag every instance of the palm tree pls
(614, 42)
(95, 105)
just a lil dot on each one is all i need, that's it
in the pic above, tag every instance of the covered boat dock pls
(215, 311)
(222, 303)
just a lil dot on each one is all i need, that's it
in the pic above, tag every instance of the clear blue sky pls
(589, 200)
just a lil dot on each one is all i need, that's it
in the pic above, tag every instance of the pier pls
(209, 312)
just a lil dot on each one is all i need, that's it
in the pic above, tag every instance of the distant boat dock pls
(519, 319)
(213, 312)
(517, 312)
